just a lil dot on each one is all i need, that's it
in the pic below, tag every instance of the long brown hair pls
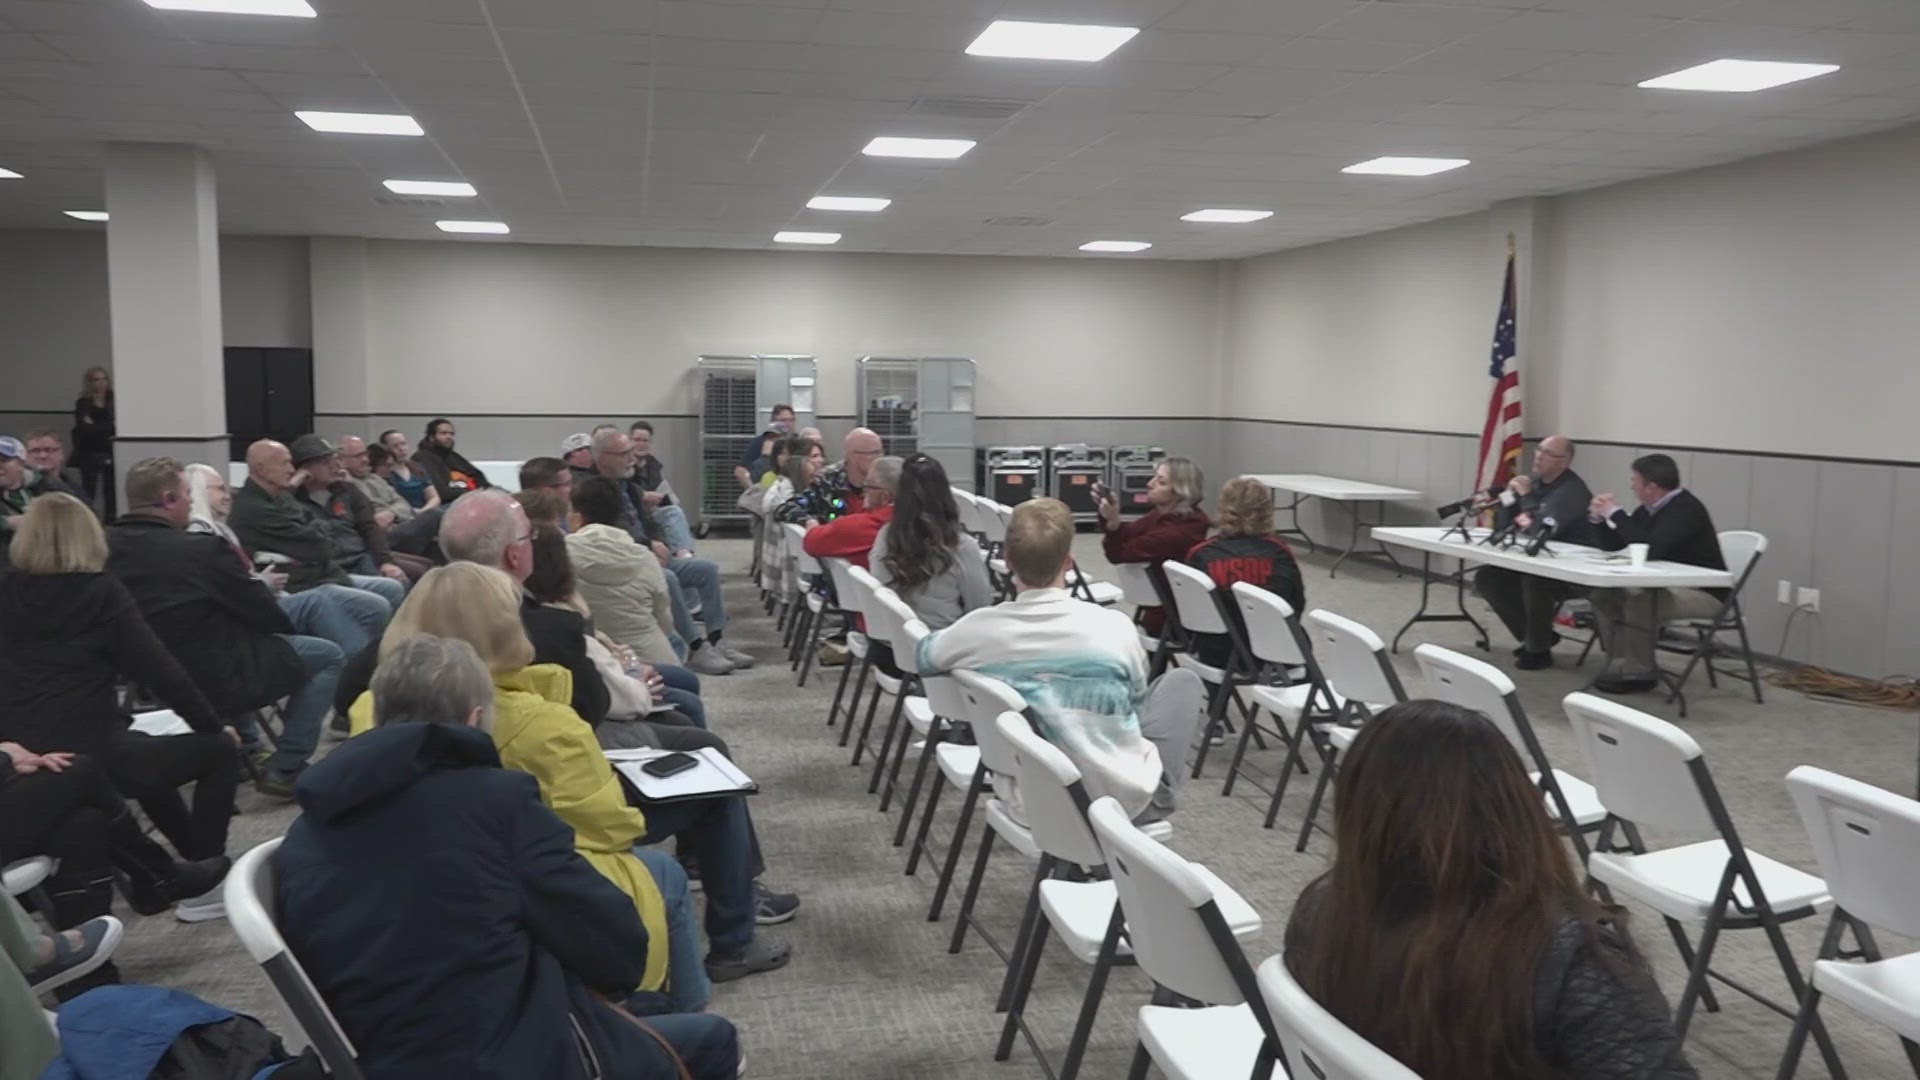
(1448, 886)
(926, 525)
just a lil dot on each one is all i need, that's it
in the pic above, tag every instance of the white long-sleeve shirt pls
(1083, 674)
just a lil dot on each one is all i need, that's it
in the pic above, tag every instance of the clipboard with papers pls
(714, 775)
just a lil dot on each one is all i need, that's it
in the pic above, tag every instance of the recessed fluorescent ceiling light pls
(86, 215)
(1236, 217)
(298, 9)
(788, 236)
(896, 146)
(1738, 76)
(1050, 41)
(847, 202)
(9, 174)
(1115, 245)
(493, 227)
(452, 189)
(1406, 166)
(357, 123)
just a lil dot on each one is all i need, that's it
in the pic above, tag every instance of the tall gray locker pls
(736, 396)
(922, 405)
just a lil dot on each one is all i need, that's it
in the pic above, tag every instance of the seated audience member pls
(1676, 527)
(687, 576)
(65, 807)
(399, 470)
(796, 461)
(47, 457)
(536, 732)
(220, 623)
(620, 581)
(1080, 668)
(267, 517)
(851, 537)
(547, 507)
(451, 474)
(358, 540)
(1526, 603)
(577, 451)
(69, 632)
(837, 488)
(652, 477)
(554, 582)
(455, 925)
(756, 458)
(15, 483)
(1245, 549)
(922, 554)
(346, 616)
(1452, 930)
(33, 963)
(544, 473)
(408, 530)
(1173, 527)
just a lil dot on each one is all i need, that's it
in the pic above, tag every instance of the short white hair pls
(428, 679)
(478, 527)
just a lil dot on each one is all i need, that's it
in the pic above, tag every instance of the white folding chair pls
(1067, 900)
(848, 600)
(1315, 1043)
(1354, 661)
(1137, 589)
(814, 610)
(1649, 772)
(1183, 935)
(26, 878)
(942, 761)
(1868, 844)
(1092, 590)
(993, 527)
(1478, 685)
(878, 632)
(982, 700)
(1742, 549)
(786, 548)
(249, 896)
(1196, 599)
(890, 620)
(967, 508)
(1273, 636)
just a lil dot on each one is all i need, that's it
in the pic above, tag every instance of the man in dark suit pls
(220, 623)
(1675, 526)
(1526, 602)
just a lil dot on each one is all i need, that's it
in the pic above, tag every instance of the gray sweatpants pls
(1168, 719)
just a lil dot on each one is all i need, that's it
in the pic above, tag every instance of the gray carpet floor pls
(873, 993)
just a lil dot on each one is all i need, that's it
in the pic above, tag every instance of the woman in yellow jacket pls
(536, 731)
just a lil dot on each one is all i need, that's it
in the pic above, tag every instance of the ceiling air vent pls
(967, 108)
(1020, 222)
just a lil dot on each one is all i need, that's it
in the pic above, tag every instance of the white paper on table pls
(715, 775)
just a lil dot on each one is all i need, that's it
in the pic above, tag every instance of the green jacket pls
(284, 525)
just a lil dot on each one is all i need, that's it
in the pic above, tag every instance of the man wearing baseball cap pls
(577, 451)
(360, 545)
(13, 484)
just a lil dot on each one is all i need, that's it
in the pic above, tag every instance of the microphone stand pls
(1460, 526)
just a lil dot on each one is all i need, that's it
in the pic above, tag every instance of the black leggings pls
(65, 815)
(152, 770)
(96, 476)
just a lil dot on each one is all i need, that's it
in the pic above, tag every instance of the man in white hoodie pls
(1080, 668)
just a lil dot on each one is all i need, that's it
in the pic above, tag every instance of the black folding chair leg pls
(1685, 948)
(853, 703)
(1031, 918)
(1239, 756)
(920, 774)
(894, 724)
(1313, 805)
(1096, 990)
(1302, 732)
(893, 771)
(959, 842)
(1018, 1006)
(846, 673)
(965, 914)
(814, 628)
(860, 745)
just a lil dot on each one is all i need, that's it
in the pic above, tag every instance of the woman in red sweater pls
(1173, 527)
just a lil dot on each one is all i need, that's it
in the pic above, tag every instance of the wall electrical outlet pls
(1786, 591)
(1809, 599)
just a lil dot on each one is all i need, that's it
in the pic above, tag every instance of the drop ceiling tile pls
(1260, 16)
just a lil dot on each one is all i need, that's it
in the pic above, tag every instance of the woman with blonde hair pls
(69, 633)
(537, 732)
(93, 432)
(1245, 549)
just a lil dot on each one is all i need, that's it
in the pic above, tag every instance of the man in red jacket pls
(850, 536)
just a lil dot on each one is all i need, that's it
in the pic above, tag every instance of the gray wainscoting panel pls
(1725, 483)
(1854, 515)
(1903, 592)
(1783, 507)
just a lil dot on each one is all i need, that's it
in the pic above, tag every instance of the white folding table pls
(1351, 494)
(1575, 564)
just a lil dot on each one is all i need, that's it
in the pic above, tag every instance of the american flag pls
(1500, 438)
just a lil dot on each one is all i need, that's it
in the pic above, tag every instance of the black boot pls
(150, 878)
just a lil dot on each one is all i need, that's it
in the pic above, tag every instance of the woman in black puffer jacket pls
(1452, 931)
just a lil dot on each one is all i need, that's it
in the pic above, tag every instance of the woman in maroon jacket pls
(1168, 531)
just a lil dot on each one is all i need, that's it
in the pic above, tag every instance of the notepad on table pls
(715, 775)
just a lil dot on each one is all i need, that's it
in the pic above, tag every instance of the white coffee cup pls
(1637, 555)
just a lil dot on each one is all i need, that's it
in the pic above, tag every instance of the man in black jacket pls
(360, 545)
(452, 475)
(267, 517)
(444, 914)
(1675, 526)
(1527, 602)
(47, 456)
(220, 623)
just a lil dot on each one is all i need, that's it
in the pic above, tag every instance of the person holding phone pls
(1172, 526)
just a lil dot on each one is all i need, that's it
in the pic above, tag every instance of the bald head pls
(1552, 457)
(270, 466)
(488, 527)
(353, 456)
(863, 448)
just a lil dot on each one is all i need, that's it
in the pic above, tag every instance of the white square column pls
(163, 271)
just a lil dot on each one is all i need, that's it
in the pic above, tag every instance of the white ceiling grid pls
(711, 122)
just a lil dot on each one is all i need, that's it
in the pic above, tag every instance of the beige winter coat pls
(625, 589)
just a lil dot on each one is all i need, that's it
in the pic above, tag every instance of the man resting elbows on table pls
(1527, 602)
(1675, 525)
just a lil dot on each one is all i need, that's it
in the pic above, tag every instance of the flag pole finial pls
(1510, 245)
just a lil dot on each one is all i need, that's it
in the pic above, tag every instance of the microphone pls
(1476, 501)
(1542, 529)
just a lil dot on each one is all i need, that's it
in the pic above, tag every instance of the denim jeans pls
(348, 617)
(308, 706)
(719, 836)
(673, 527)
(683, 690)
(688, 987)
(701, 576)
(393, 592)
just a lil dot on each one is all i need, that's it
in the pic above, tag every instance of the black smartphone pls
(669, 764)
(1100, 492)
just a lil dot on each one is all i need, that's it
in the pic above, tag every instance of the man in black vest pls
(1676, 527)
